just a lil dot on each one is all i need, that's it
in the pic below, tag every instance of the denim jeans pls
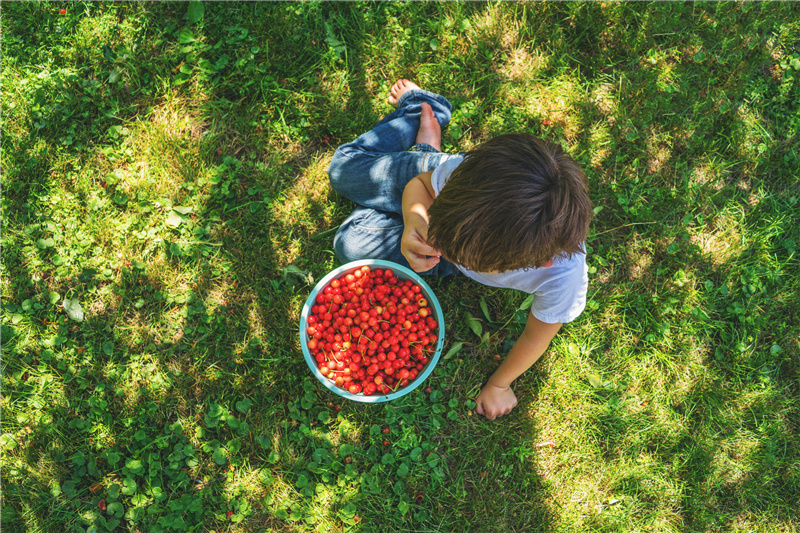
(373, 171)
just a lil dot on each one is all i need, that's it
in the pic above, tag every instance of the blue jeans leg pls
(373, 171)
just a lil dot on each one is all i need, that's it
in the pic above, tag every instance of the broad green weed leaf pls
(232, 421)
(135, 466)
(454, 349)
(185, 37)
(43, 244)
(174, 220)
(219, 456)
(244, 405)
(349, 510)
(115, 509)
(527, 303)
(345, 450)
(594, 380)
(485, 309)
(114, 75)
(69, 489)
(573, 349)
(473, 323)
(399, 488)
(7, 441)
(182, 209)
(129, 486)
(195, 12)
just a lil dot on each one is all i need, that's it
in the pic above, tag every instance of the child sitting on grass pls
(513, 213)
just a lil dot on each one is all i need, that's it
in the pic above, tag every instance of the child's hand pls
(419, 254)
(494, 401)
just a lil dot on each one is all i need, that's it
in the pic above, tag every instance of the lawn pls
(166, 212)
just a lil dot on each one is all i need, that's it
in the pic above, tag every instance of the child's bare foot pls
(399, 88)
(429, 130)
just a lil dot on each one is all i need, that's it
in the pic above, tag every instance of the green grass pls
(165, 167)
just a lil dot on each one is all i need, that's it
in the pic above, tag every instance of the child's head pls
(515, 201)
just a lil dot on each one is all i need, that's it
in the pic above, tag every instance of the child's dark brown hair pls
(515, 201)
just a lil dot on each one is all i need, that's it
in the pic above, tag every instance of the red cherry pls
(62, 12)
(229, 514)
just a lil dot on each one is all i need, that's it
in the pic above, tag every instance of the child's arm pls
(417, 198)
(496, 397)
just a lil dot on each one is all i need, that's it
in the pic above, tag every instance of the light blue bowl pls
(402, 273)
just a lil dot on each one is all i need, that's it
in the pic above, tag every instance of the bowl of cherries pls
(372, 331)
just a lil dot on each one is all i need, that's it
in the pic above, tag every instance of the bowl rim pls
(343, 270)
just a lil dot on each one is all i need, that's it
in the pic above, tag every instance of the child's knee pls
(338, 167)
(335, 167)
(345, 253)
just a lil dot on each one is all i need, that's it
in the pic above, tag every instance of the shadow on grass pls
(192, 360)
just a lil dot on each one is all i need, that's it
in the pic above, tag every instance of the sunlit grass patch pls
(524, 65)
(165, 165)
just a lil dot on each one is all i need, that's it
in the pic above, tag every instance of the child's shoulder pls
(442, 173)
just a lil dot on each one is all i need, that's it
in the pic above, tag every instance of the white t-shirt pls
(559, 290)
